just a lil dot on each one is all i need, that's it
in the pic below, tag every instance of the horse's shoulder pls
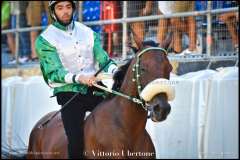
(102, 112)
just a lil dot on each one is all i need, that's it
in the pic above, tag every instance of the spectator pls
(178, 25)
(111, 10)
(35, 11)
(7, 42)
(6, 24)
(5, 16)
(136, 9)
(231, 19)
(24, 42)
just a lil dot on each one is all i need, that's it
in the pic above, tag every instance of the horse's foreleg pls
(144, 148)
(149, 147)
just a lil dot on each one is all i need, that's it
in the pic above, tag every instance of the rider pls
(68, 52)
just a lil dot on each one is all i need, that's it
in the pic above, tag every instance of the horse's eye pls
(143, 69)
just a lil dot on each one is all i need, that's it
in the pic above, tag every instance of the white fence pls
(24, 102)
(203, 122)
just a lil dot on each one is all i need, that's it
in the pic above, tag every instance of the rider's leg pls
(73, 120)
(73, 113)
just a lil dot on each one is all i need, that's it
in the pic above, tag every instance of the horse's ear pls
(166, 43)
(136, 38)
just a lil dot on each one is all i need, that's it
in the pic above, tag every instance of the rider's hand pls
(87, 79)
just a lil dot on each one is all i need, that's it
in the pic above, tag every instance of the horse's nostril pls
(156, 108)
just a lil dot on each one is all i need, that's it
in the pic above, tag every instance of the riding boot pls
(75, 150)
(75, 138)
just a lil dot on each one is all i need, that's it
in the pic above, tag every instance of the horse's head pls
(151, 69)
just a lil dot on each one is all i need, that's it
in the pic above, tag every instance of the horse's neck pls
(133, 116)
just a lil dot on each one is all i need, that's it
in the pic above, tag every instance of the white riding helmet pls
(51, 5)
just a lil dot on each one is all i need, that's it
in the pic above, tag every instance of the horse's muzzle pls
(159, 108)
(161, 114)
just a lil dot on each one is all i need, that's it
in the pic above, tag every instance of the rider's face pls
(64, 11)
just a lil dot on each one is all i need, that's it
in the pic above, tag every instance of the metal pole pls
(202, 155)
(209, 28)
(124, 38)
(157, 17)
(25, 29)
(17, 33)
(80, 11)
(133, 19)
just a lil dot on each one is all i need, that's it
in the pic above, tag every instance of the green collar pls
(62, 27)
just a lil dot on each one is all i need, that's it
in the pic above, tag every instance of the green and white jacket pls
(65, 53)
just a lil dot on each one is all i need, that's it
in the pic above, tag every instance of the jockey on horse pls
(68, 51)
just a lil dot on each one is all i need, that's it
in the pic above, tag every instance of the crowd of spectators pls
(35, 13)
(30, 14)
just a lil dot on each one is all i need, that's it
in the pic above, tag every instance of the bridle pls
(136, 73)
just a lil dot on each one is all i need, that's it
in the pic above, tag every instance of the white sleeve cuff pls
(77, 78)
(68, 78)
(112, 68)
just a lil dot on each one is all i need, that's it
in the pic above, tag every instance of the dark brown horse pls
(116, 127)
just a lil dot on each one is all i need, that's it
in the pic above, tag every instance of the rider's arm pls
(101, 56)
(51, 66)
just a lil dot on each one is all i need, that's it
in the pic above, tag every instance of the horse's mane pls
(118, 78)
(119, 75)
